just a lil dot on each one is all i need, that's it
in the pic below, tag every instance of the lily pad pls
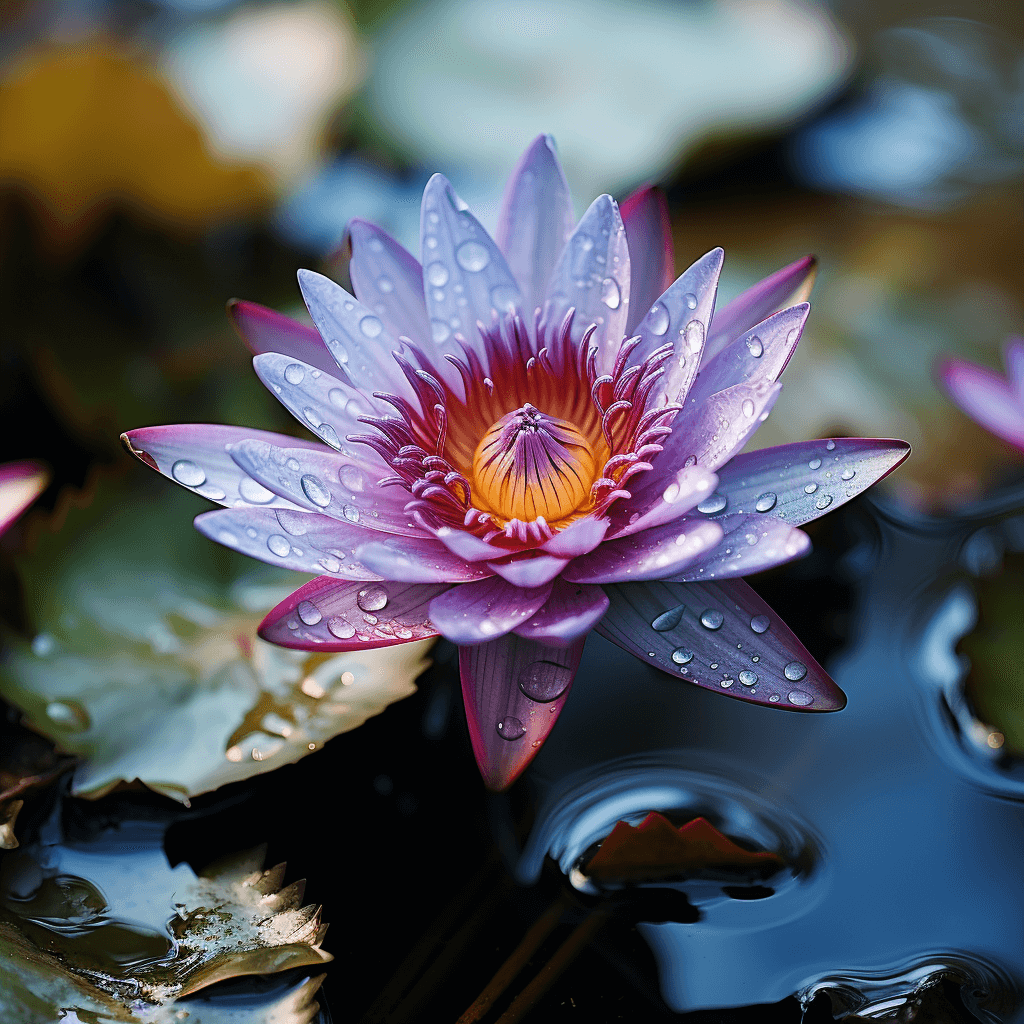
(146, 662)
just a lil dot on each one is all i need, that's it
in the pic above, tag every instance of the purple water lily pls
(20, 484)
(996, 402)
(527, 439)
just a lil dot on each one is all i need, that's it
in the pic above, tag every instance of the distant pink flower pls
(519, 449)
(996, 402)
(20, 484)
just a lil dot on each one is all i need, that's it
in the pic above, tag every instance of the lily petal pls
(327, 615)
(662, 500)
(389, 280)
(785, 287)
(320, 480)
(650, 555)
(355, 336)
(536, 220)
(985, 397)
(473, 613)
(533, 570)
(303, 541)
(20, 484)
(572, 611)
(686, 628)
(417, 560)
(266, 330)
(651, 261)
(592, 276)
(514, 690)
(461, 264)
(1013, 360)
(195, 455)
(577, 538)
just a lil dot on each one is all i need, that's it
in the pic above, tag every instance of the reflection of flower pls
(997, 403)
(20, 484)
(524, 468)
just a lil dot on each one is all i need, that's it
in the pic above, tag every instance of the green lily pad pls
(146, 664)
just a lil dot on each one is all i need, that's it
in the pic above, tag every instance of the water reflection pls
(915, 827)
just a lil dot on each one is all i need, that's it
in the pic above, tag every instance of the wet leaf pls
(106, 926)
(656, 849)
(146, 662)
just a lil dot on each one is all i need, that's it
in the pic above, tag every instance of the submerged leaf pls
(147, 664)
(655, 849)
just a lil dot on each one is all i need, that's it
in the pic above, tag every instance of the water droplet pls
(694, 335)
(227, 537)
(671, 493)
(544, 681)
(371, 326)
(341, 627)
(766, 501)
(658, 319)
(279, 545)
(748, 678)
(355, 408)
(351, 477)
(682, 656)
(691, 300)
(793, 337)
(42, 645)
(309, 613)
(747, 407)
(610, 294)
(472, 256)
(831, 446)
(330, 564)
(823, 502)
(795, 671)
(188, 473)
(810, 488)
(726, 683)
(799, 698)
(294, 373)
(372, 599)
(713, 503)
(385, 284)
(337, 397)
(848, 474)
(751, 539)
(351, 513)
(329, 434)
(814, 464)
(293, 465)
(711, 618)
(755, 346)
(510, 728)
(68, 714)
(314, 489)
(439, 331)
(436, 274)
(760, 623)
(503, 298)
(668, 620)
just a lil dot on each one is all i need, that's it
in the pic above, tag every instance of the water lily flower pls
(996, 402)
(20, 484)
(526, 439)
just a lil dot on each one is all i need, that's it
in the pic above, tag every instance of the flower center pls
(530, 465)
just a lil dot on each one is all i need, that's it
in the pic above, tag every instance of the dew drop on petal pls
(503, 298)
(341, 627)
(544, 681)
(751, 539)
(279, 545)
(658, 319)
(691, 300)
(671, 493)
(351, 513)
(694, 335)
(330, 564)
(309, 613)
(795, 671)
(823, 502)
(436, 274)
(188, 473)
(510, 728)
(68, 715)
(814, 464)
(337, 398)
(472, 256)
(799, 698)
(294, 373)
(682, 656)
(755, 346)
(315, 490)
(848, 474)
(766, 501)
(713, 503)
(329, 434)
(385, 284)
(351, 477)
(254, 492)
(371, 326)
(610, 294)
(830, 446)
(293, 465)
(439, 331)
(711, 618)
(760, 623)
(747, 407)
(810, 488)
(748, 678)
(372, 599)
(668, 620)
